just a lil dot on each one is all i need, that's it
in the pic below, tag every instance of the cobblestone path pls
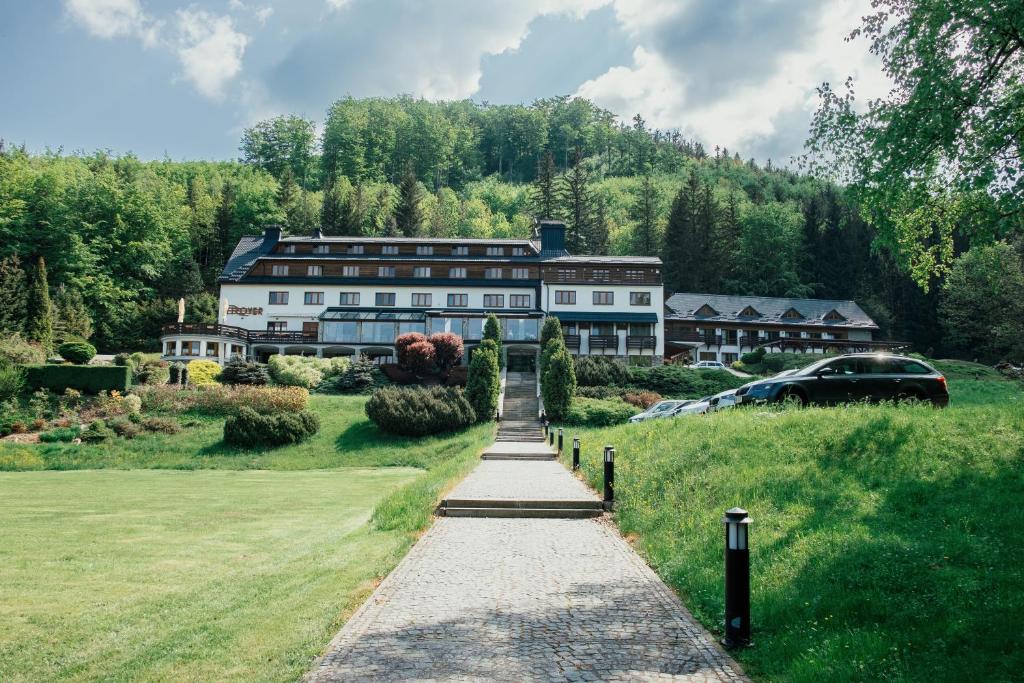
(523, 600)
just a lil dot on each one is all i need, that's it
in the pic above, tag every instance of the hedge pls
(90, 379)
(249, 429)
(594, 412)
(419, 411)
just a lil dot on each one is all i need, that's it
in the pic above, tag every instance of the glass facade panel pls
(344, 331)
(521, 329)
(412, 327)
(377, 333)
(475, 328)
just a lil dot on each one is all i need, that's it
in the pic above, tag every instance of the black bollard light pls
(609, 477)
(545, 427)
(551, 437)
(737, 579)
(559, 440)
(575, 454)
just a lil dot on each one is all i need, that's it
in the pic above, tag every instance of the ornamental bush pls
(77, 352)
(360, 377)
(221, 400)
(679, 382)
(153, 372)
(448, 349)
(203, 372)
(418, 411)
(12, 381)
(641, 399)
(249, 429)
(597, 371)
(592, 412)
(97, 432)
(414, 353)
(295, 371)
(483, 384)
(240, 371)
(559, 383)
(551, 330)
(90, 379)
(16, 350)
(492, 331)
(60, 434)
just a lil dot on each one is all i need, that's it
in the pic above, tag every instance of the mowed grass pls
(175, 558)
(885, 540)
(192, 576)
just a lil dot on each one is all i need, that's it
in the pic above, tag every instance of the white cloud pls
(112, 18)
(739, 112)
(210, 50)
(261, 13)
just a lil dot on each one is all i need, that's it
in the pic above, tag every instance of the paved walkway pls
(523, 600)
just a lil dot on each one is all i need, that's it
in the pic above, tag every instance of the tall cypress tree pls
(38, 308)
(679, 238)
(409, 212)
(73, 319)
(545, 192)
(12, 303)
(577, 205)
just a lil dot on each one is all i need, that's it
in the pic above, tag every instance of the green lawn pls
(884, 543)
(173, 558)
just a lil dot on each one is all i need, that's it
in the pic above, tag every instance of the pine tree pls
(492, 331)
(708, 272)
(727, 237)
(333, 210)
(38, 307)
(72, 317)
(288, 190)
(409, 212)
(680, 240)
(577, 205)
(645, 214)
(12, 302)
(355, 212)
(545, 191)
(597, 238)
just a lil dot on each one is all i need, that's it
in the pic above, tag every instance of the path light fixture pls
(609, 477)
(737, 578)
(575, 454)
(546, 425)
(559, 440)
(551, 437)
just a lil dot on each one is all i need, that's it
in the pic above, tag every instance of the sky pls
(163, 79)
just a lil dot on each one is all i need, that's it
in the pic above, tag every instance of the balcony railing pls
(283, 337)
(635, 341)
(206, 329)
(604, 341)
(837, 345)
(572, 341)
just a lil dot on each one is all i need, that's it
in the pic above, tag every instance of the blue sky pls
(181, 80)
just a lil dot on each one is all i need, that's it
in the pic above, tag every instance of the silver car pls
(656, 411)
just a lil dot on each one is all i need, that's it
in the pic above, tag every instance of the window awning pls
(589, 317)
(383, 315)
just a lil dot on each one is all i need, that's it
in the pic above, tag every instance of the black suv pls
(856, 377)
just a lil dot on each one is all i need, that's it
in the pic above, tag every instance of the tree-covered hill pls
(128, 237)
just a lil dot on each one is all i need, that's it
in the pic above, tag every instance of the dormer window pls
(354, 249)
(322, 249)
(750, 312)
(792, 314)
(834, 316)
(706, 311)
(424, 250)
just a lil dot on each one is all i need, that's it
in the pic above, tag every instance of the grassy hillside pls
(884, 544)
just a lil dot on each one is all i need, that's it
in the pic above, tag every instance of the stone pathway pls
(480, 599)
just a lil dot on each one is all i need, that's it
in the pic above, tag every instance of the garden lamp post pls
(575, 454)
(609, 477)
(559, 440)
(737, 578)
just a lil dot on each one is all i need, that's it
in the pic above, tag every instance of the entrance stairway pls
(519, 414)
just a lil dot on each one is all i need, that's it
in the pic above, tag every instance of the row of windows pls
(392, 250)
(419, 300)
(599, 275)
(283, 270)
(568, 297)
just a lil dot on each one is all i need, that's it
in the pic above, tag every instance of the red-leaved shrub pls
(448, 349)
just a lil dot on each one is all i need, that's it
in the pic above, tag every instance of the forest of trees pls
(123, 239)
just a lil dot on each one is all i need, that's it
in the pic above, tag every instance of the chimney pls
(271, 235)
(552, 238)
(318, 234)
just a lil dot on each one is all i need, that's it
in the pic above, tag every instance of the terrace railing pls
(636, 341)
(604, 341)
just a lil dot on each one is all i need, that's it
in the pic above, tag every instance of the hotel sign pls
(244, 310)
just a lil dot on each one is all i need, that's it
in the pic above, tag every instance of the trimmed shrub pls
(242, 372)
(221, 400)
(97, 432)
(591, 412)
(775, 362)
(559, 383)
(550, 330)
(414, 353)
(448, 349)
(597, 371)
(457, 376)
(12, 381)
(17, 350)
(492, 331)
(125, 428)
(680, 382)
(90, 379)
(483, 384)
(79, 352)
(600, 392)
(164, 425)
(296, 371)
(203, 372)
(359, 378)
(753, 357)
(641, 399)
(60, 434)
(249, 429)
(418, 411)
(177, 375)
(153, 372)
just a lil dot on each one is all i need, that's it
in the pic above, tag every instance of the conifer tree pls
(332, 212)
(597, 238)
(73, 319)
(483, 382)
(558, 385)
(492, 331)
(577, 205)
(545, 190)
(12, 301)
(38, 307)
(409, 212)
(355, 212)
(679, 240)
(645, 213)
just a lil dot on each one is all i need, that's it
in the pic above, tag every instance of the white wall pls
(585, 303)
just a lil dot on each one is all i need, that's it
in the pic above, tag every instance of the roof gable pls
(792, 314)
(749, 312)
(705, 311)
(833, 315)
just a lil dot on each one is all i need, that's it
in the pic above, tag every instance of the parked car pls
(722, 401)
(853, 377)
(658, 410)
(698, 407)
(713, 364)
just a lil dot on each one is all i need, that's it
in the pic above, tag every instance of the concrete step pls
(541, 504)
(518, 456)
(547, 513)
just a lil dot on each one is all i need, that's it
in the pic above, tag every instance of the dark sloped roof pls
(684, 306)
(498, 242)
(610, 260)
(247, 251)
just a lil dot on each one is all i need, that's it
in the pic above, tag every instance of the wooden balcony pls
(600, 342)
(206, 329)
(266, 336)
(572, 341)
(636, 341)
